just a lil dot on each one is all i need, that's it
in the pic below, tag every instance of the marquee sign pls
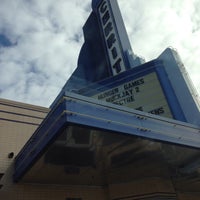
(143, 93)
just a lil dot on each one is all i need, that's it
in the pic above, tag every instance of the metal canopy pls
(74, 112)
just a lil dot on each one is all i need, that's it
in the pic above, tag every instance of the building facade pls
(120, 129)
(139, 169)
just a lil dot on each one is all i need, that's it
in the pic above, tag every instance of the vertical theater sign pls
(111, 40)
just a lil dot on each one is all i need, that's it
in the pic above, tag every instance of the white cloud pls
(45, 51)
(47, 37)
(155, 25)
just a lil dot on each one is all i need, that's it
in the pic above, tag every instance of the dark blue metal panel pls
(124, 120)
(181, 85)
(93, 64)
(170, 94)
(43, 136)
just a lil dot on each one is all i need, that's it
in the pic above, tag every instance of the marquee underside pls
(87, 142)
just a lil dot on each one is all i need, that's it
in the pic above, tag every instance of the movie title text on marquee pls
(144, 93)
(111, 39)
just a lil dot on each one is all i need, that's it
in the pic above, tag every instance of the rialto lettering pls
(111, 40)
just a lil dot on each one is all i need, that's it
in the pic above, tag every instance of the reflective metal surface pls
(84, 156)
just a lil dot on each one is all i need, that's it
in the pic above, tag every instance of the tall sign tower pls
(108, 70)
(106, 51)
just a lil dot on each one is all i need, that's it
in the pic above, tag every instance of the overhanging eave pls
(76, 110)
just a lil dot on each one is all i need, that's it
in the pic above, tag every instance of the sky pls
(40, 41)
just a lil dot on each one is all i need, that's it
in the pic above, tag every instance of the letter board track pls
(142, 88)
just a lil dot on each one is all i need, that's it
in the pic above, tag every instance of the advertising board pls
(144, 93)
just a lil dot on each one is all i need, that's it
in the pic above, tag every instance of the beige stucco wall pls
(49, 192)
(17, 124)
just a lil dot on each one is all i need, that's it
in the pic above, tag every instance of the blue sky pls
(40, 41)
